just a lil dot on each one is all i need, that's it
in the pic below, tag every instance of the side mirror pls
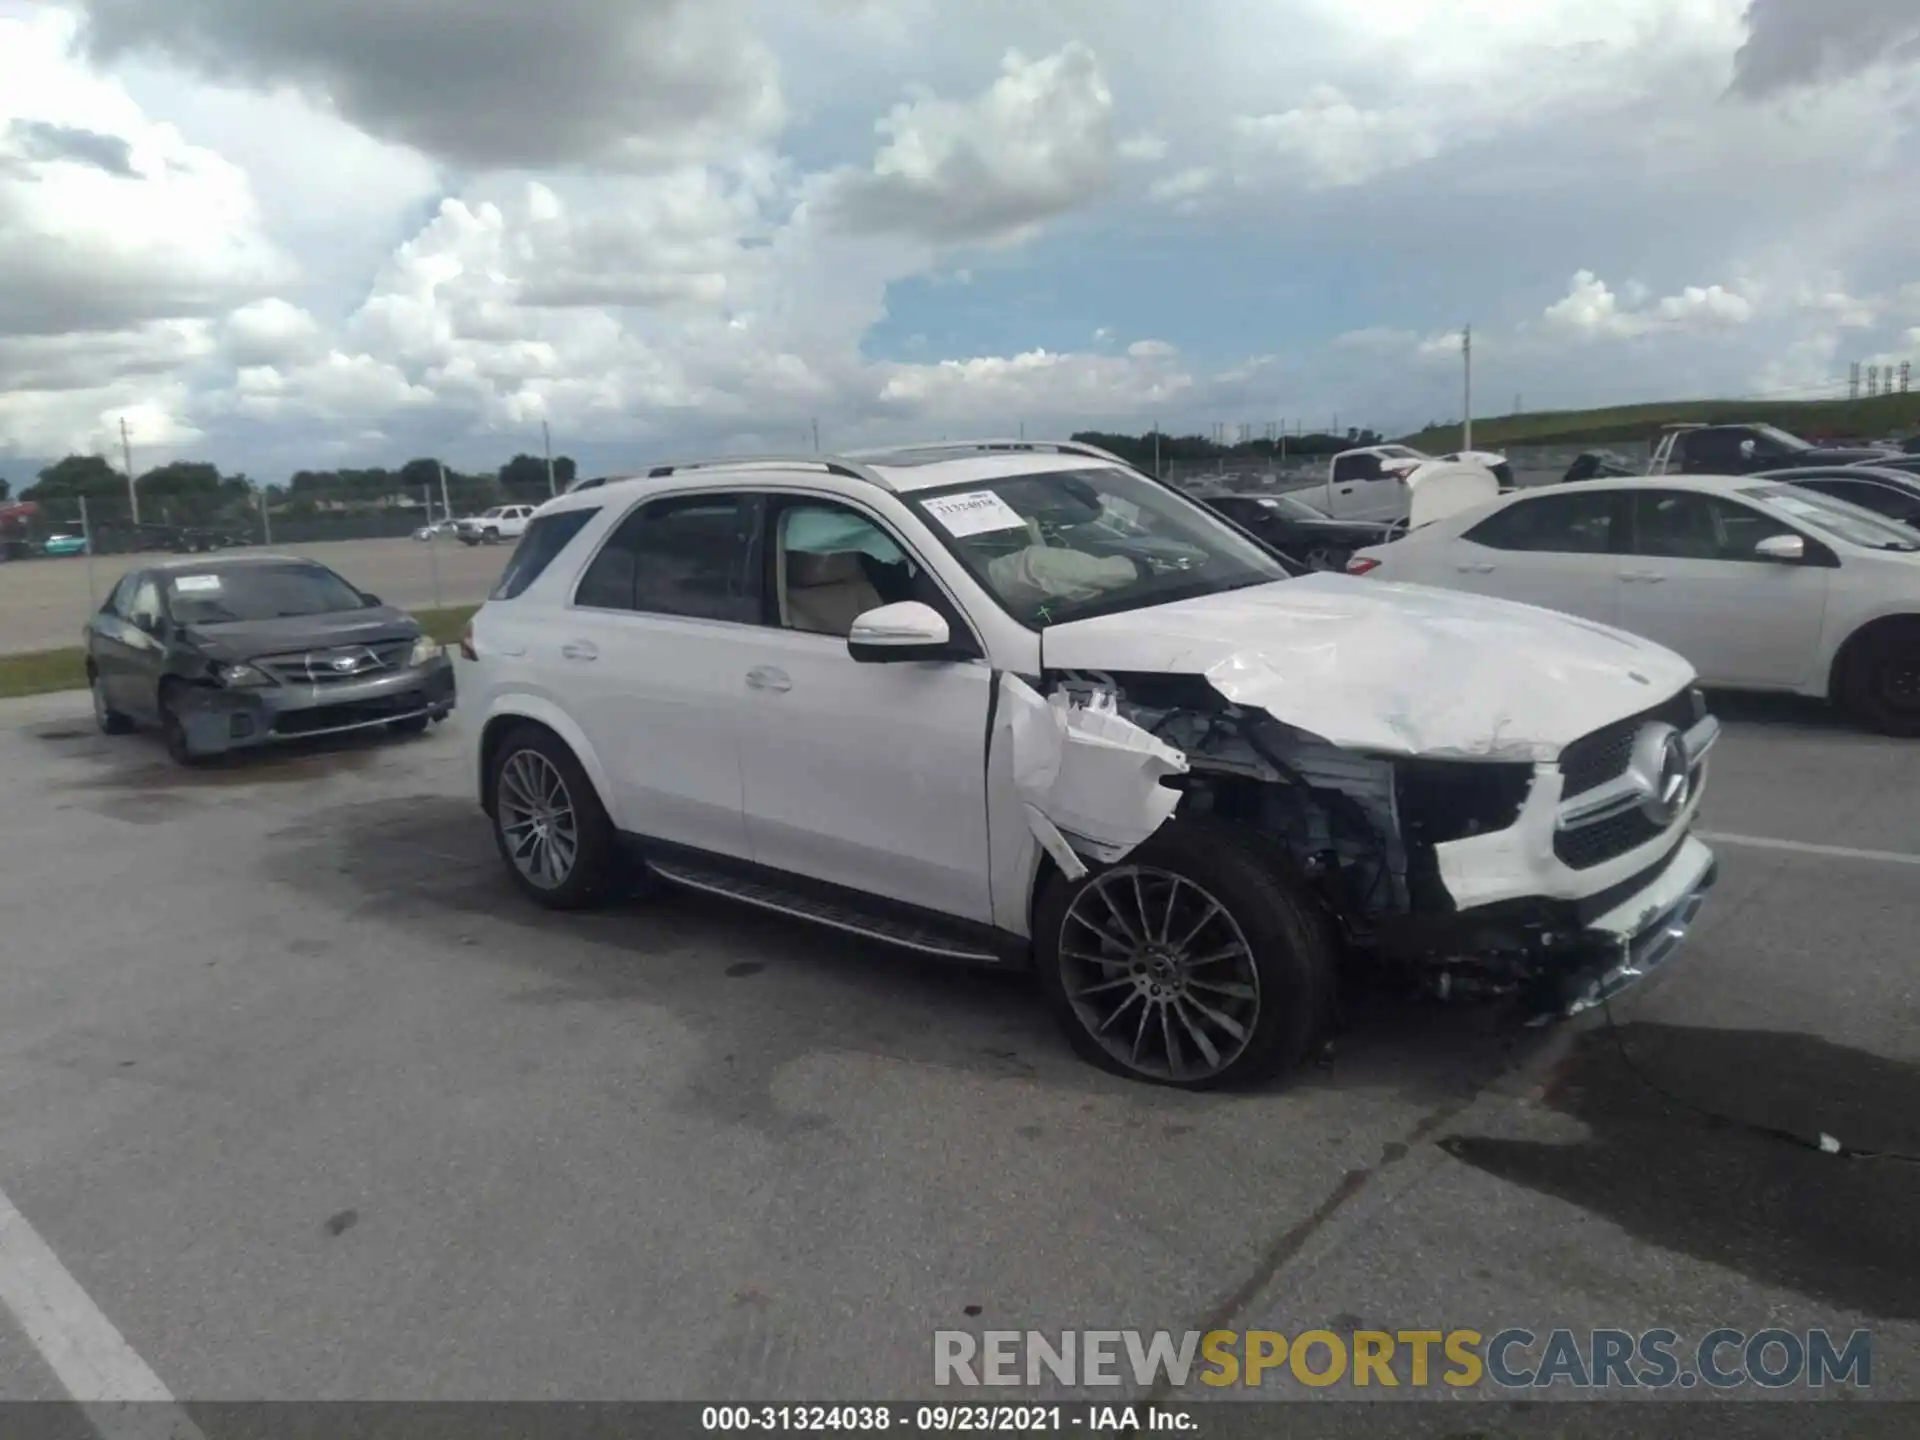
(145, 624)
(1788, 549)
(369, 600)
(907, 630)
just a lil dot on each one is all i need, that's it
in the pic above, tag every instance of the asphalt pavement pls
(306, 1103)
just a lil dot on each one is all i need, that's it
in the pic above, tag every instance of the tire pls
(412, 725)
(1290, 960)
(1880, 686)
(490, 536)
(110, 721)
(592, 878)
(172, 732)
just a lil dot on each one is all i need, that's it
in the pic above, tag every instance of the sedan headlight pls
(424, 649)
(241, 677)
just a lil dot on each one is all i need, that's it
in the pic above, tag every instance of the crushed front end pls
(1551, 885)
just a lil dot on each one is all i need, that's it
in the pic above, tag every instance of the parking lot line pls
(1802, 847)
(124, 1399)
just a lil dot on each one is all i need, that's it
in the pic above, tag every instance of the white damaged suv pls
(1018, 703)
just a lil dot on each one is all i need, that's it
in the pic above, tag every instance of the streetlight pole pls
(126, 451)
(1466, 407)
(546, 438)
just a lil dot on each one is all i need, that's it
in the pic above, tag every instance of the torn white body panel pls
(1089, 779)
(1393, 669)
(1446, 487)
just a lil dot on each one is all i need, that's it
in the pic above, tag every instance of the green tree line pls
(1174, 450)
(194, 492)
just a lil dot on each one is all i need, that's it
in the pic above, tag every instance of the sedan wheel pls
(1160, 974)
(110, 721)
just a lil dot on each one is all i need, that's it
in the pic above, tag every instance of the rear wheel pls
(1880, 687)
(1194, 963)
(551, 829)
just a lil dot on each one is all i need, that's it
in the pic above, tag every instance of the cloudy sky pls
(282, 235)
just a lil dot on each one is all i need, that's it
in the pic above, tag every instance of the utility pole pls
(546, 439)
(1906, 371)
(1156, 449)
(1853, 381)
(1466, 407)
(126, 450)
(1023, 429)
(445, 506)
(816, 437)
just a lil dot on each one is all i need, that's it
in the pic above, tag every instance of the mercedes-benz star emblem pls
(1666, 779)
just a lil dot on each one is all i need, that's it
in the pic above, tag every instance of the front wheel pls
(1194, 963)
(492, 537)
(173, 730)
(1881, 686)
(551, 829)
(110, 720)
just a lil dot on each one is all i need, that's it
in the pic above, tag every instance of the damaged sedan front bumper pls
(217, 720)
(1640, 935)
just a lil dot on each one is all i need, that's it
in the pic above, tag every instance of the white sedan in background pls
(1762, 585)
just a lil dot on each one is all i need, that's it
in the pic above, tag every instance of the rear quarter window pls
(545, 538)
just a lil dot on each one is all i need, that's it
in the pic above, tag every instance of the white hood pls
(1399, 669)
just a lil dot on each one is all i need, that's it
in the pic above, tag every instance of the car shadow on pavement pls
(1678, 1156)
(767, 991)
(1781, 713)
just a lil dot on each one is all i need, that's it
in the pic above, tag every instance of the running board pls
(927, 938)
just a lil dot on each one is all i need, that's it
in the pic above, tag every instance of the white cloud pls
(1038, 142)
(1145, 148)
(271, 331)
(107, 217)
(1329, 142)
(1590, 309)
(1183, 184)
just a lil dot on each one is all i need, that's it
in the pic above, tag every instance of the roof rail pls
(831, 464)
(976, 447)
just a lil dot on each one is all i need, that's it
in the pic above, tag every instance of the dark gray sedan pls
(236, 652)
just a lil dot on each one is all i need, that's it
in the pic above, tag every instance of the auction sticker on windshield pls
(974, 513)
(196, 584)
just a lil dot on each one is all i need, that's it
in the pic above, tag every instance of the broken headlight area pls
(1361, 830)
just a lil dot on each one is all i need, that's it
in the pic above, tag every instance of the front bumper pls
(219, 720)
(1637, 938)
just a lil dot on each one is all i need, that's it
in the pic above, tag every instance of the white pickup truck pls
(1370, 483)
(490, 527)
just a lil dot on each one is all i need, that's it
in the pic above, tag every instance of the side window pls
(832, 564)
(1706, 452)
(121, 598)
(1575, 524)
(1349, 468)
(692, 555)
(1680, 525)
(144, 607)
(545, 539)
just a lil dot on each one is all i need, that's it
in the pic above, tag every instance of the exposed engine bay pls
(1361, 831)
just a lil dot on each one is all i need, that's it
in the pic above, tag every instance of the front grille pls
(317, 667)
(1603, 840)
(339, 717)
(1593, 760)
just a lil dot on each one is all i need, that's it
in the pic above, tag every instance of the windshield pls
(1397, 452)
(1069, 544)
(1292, 505)
(1781, 438)
(1852, 523)
(258, 592)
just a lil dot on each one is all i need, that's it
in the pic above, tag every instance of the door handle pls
(766, 677)
(579, 650)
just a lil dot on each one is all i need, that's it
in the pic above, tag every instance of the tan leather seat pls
(827, 593)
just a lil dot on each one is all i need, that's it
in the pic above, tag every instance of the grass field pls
(1815, 419)
(41, 671)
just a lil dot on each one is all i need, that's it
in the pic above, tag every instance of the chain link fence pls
(61, 555)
